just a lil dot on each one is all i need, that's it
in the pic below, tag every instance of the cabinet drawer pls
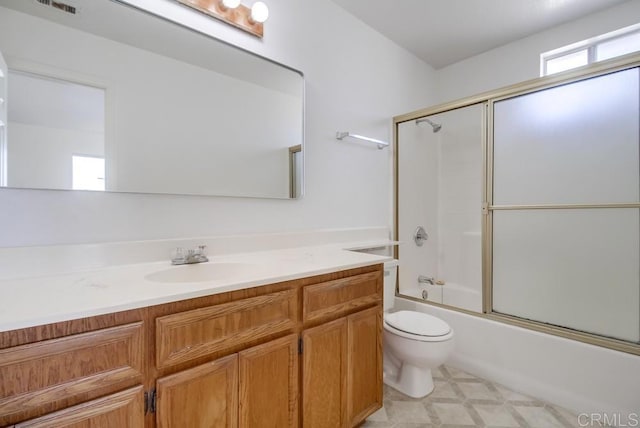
(124, 409)
(339, 297)
(193, 334)
(45, 376)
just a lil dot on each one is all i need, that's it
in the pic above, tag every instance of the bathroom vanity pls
(302, 352)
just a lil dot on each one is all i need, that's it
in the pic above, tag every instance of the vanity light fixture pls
(234, 13)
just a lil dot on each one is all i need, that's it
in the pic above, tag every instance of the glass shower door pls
(566, 234)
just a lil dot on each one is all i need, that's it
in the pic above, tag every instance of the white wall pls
(356, 80)
(520, 60)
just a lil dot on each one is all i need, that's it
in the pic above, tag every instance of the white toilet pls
(414, 343)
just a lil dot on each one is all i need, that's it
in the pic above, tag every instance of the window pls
(88, 172)
(606, 46)
(567, 62)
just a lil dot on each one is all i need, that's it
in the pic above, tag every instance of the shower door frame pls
(487, 99)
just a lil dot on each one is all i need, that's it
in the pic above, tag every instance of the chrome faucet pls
(426, 279)
(182, 256)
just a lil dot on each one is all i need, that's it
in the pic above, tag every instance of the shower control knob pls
(420, 236)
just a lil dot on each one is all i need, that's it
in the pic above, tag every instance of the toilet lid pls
(417, 323)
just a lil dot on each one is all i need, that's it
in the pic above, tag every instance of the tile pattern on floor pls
(462, 400)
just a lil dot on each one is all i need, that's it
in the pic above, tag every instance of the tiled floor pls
(462, 400)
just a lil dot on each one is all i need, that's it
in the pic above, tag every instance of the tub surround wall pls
(443, 193)
(418, 189)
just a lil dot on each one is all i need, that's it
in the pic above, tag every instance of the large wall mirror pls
(98, 95)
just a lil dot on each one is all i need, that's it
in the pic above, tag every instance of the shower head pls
(436, 126)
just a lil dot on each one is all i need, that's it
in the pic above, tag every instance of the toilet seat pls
(417, 326)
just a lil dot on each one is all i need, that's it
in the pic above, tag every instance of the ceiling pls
(442, 32)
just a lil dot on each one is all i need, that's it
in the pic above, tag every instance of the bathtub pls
(581, 377)
(450, 294)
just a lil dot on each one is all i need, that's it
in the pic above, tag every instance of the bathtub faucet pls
(426, 279)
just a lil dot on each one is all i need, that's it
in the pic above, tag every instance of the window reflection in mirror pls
(48, 121)
(88, 172)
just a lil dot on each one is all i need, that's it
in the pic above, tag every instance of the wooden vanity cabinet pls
(342, 358)
(302, 353)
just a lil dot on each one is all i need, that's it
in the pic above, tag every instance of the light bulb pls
(230, 4)
(259, 12)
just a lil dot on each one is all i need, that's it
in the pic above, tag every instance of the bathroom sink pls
(201, 272)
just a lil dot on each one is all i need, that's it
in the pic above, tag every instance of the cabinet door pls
(123, 410)
(364, 364)
(324, 368)
(268, 376)
(204, 396)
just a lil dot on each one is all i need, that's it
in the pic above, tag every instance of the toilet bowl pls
(414, 344)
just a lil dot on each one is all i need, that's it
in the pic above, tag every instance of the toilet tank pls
(390, 279)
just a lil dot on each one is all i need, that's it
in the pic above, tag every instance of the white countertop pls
(32, 301)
